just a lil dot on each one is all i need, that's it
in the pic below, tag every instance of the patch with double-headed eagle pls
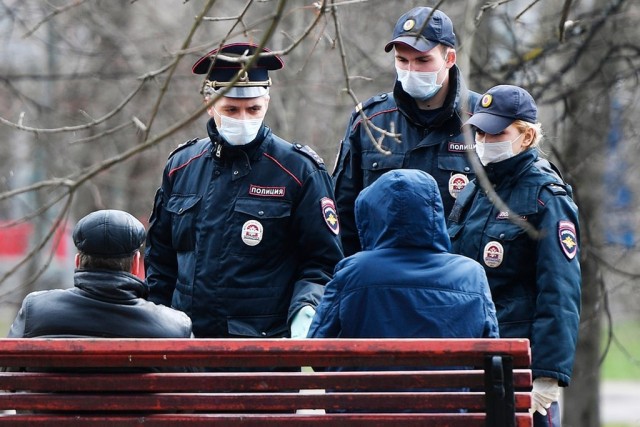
(568, 239)
(330, 214)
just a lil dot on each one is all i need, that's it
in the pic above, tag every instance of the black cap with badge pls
(221, 73)
(413, 30)
(502, 105)
(109, 234)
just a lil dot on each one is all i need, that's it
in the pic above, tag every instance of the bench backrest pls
(489, 379)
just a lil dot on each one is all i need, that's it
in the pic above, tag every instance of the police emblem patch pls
(457, 182)
(408, 24)
(486, 100)
(330, 215)
(251, 232)
(568, 239)
(493, 254)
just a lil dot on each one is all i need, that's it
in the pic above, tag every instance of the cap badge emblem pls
(486, 100)
(408, 24)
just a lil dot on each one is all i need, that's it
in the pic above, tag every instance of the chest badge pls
(457, 182)
(493, 254)
(330, 215)
(568, 239)
(252, 232)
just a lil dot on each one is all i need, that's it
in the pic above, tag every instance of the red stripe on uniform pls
(355, 125)
(283, 168)
(186, 163)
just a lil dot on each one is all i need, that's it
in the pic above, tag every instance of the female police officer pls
(528, 246)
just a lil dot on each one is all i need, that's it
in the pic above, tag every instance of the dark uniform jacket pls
(535, 281)
(241, 238)
(405, 283)
(104, 304)
(429, 140)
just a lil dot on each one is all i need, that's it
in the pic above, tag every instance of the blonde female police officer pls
(244, 231)
(534, 279)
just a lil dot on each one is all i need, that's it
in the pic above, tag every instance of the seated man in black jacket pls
(108, 300)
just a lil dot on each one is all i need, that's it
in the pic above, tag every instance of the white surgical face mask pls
(238, 132)
(494, 152)
(421, 85)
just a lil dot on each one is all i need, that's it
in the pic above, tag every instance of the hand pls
(302, 321)
(545, 391)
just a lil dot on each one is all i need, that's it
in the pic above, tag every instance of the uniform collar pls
(223, 151)
(409, 107)
(511, 169)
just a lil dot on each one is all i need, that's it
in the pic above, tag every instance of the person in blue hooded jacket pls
(529, 246)
(405, 283)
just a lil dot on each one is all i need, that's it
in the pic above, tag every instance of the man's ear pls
(77, 260)
(210, 108)
(136, 265)
(451, 58)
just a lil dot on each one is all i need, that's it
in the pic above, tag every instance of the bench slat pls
(178, 402)
(39, 352)
(243, 381)
(259, 420)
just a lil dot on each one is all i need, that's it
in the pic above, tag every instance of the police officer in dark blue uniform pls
(529, 247)
(426, 109)
(244, 232)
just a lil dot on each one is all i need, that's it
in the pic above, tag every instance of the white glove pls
(302, 322)
(545, 391)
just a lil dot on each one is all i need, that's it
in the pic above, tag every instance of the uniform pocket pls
(184, 210)
(374, 164)
(259, 226)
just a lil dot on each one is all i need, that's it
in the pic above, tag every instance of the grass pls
(623, 358)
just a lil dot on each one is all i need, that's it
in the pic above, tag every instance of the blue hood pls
(402, 209)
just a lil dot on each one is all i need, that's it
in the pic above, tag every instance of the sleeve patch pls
(568, 239)
(330, 215)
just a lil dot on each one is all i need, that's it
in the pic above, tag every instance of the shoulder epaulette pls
(556, 189)
(183, 145)
(308, 151)
(371, 101)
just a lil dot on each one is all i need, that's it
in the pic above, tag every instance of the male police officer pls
(244, 232)
(426, 108)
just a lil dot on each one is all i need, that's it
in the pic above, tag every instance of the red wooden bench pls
(493, 389)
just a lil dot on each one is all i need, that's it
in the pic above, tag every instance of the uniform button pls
(467, 168)
(180, 210)
(502, 235)
(217, 173)
(260, 213)
(235, 172)
(375, 165)
(264, 334)
(383, 96)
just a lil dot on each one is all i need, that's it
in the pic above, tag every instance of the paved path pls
(620, 402)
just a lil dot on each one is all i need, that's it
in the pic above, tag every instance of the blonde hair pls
(522, 126)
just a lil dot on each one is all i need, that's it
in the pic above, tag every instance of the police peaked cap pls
(221, 73)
